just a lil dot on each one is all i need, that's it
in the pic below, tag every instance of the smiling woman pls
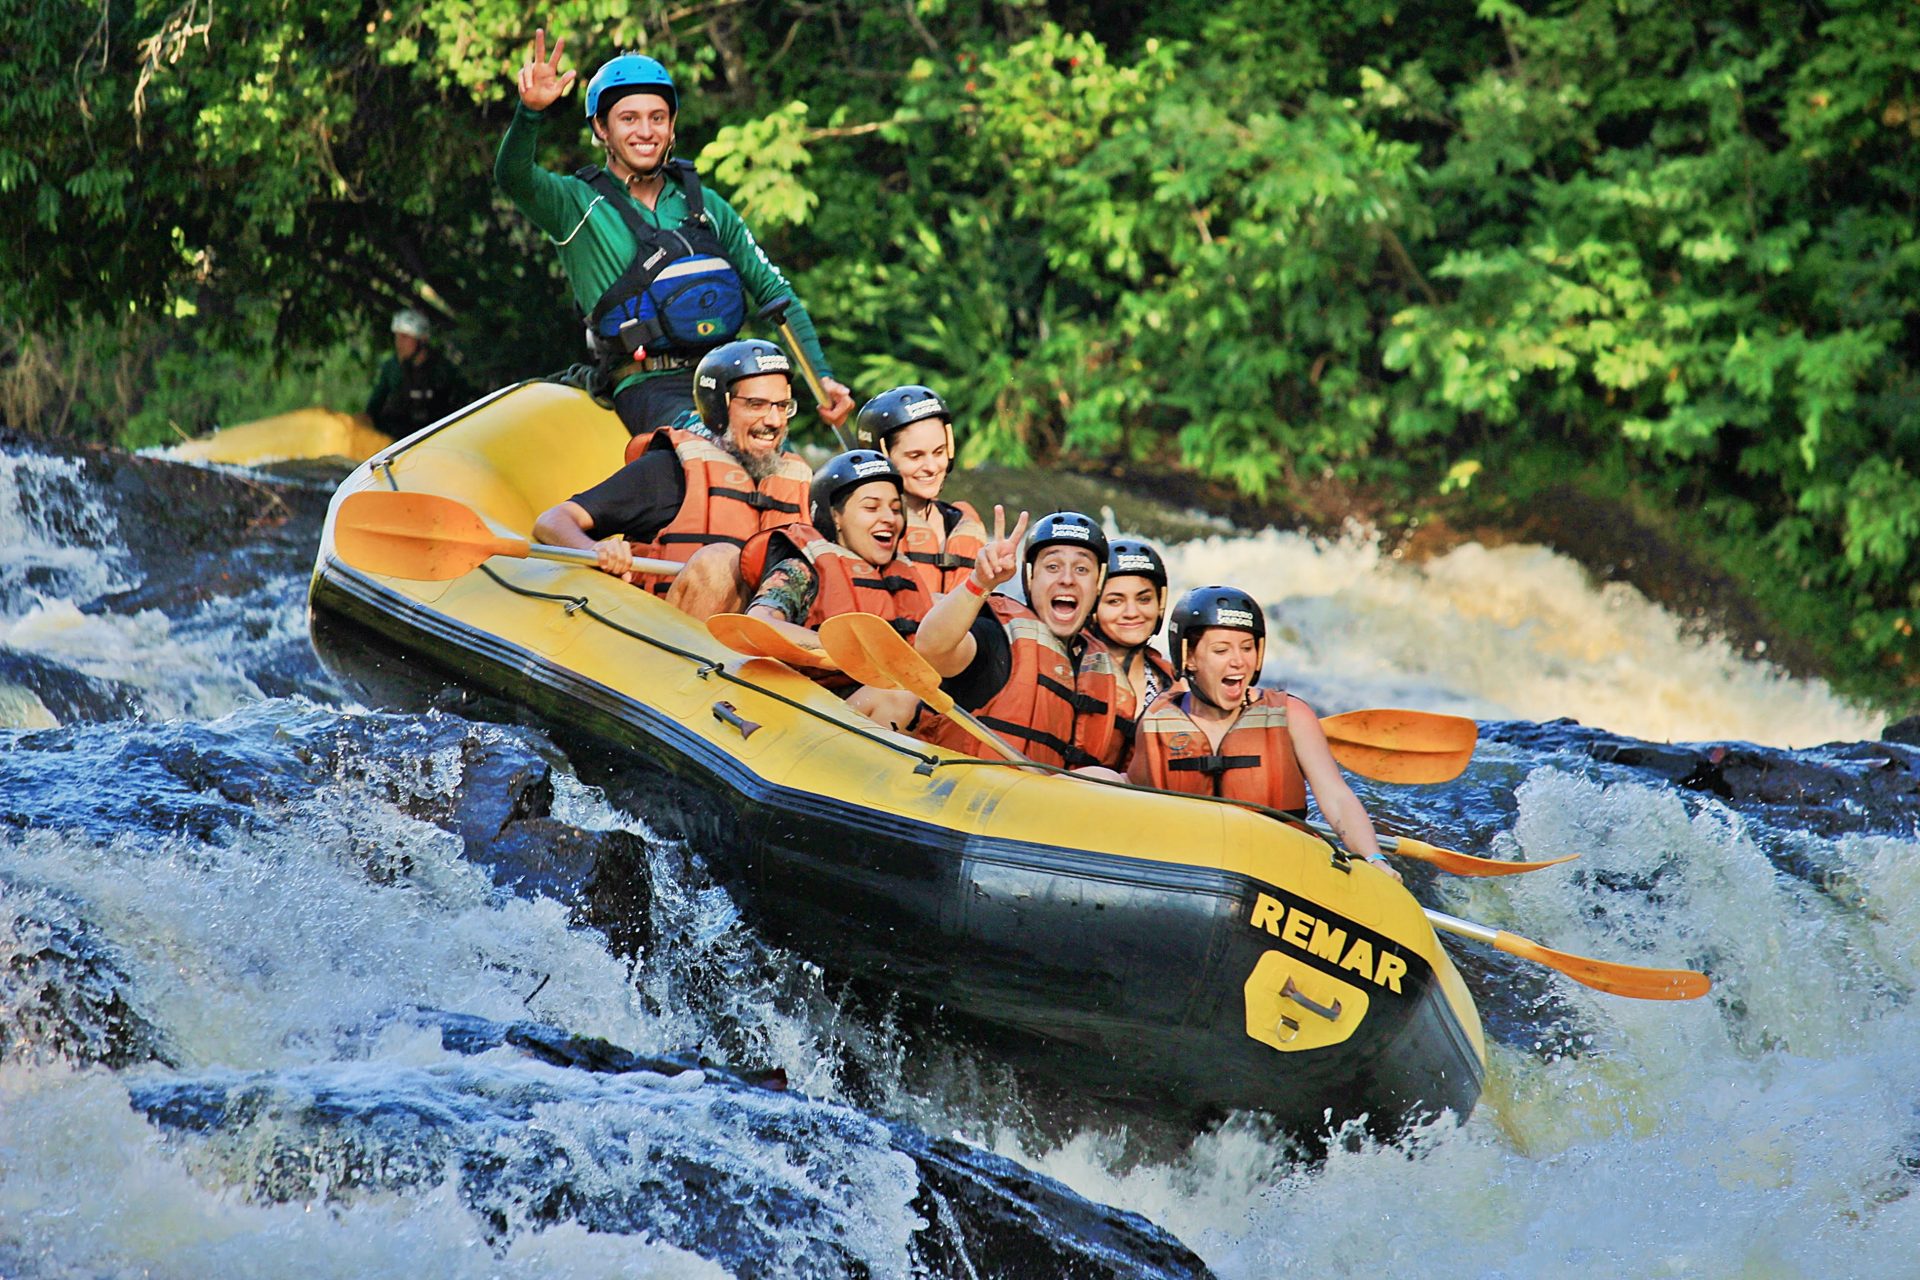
(846, 561)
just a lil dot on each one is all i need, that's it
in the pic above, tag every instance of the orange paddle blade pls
(422, 536)
(872, 652)
(1401, 730)
(868, 648)
(1634, 981)
(840, 637)
(1463, 864)
(1386, 764)
(759, 638)
(1396, 745)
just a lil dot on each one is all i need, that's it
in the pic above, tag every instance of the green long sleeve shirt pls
(595, 245)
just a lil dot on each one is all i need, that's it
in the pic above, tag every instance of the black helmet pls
(720, 368)
(1206, 607)
(894, 410)
(841, 475)
(1132, 558)
(1062, 529)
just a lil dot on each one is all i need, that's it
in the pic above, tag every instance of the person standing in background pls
(416, 386)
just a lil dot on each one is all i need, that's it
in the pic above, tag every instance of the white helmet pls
(411, 323)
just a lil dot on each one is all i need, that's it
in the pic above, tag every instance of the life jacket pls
(722, 503)
(847, 584)
(679, 296)
(1053, 710)
(943, 563)
(1255, 762)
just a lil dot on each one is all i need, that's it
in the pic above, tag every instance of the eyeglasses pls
(759, 408)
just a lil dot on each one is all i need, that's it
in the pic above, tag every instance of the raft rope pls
(709, 667)
(924, 764)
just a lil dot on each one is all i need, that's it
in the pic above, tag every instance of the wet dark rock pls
(1905, 732)
(603, 875)
(189, 536)
(762, 1182)
(64, 994)
(492, 786)
(463, 1033)
(1840, 788)
(70, 696)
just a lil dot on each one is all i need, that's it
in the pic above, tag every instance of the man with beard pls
(662, 269)
(698, 496)
(1029, 672)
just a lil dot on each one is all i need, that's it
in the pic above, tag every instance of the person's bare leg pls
(891, 708)
(709, 584)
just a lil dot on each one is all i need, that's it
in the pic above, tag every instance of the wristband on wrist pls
(972, 584)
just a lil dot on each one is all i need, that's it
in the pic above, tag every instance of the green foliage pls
(1399, 243)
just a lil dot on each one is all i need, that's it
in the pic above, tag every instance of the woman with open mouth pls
(847, 560)
(1223, 736)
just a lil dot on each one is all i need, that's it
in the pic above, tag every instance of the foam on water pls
(57, 539)
(1504, 633)
(287, 948)
(1767, 1131)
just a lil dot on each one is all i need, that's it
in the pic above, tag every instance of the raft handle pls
(724, 712)
(1299, 997)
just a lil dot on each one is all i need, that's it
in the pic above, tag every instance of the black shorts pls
(655, 402)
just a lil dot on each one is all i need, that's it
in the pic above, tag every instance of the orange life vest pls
(723, 503)
(942, 563)
(1054, 710)
(1255, 762)
(848, 584)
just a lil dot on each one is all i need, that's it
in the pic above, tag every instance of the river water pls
(214, 882)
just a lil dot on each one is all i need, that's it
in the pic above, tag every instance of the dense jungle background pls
(1459, 259)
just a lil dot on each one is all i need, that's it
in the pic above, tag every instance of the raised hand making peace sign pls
(542, 83)
(999, 559)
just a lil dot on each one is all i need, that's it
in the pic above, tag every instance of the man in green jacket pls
(653, 314)
(415, 386)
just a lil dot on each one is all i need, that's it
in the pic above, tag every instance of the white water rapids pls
(1768, 1131)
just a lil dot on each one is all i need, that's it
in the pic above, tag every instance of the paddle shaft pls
(1636, 982)
(580, 555)
(776, 312)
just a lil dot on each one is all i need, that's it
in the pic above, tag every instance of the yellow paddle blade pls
(840, 637)
(422, 536)
(1396, 745)
(1634, 981)
(759, 638)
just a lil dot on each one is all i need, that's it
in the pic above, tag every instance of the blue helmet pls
(630, 73)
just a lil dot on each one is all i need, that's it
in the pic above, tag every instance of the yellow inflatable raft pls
(1161, 950)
